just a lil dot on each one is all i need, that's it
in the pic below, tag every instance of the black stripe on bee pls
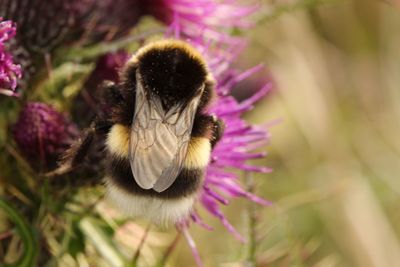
(187, 182)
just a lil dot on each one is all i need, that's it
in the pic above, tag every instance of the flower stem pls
(93, 51)
(139, 249)
(252, 223)
(192, 246)
(162, 262)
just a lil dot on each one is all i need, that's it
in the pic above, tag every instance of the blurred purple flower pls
(107, 68)
(42, 134)
(9, 71)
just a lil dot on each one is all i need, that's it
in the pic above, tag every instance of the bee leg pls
(110, 94)
(117, 103)
(78, 150)
(209, 127)
(218, 131)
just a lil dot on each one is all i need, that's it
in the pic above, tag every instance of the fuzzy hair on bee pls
(158, 136)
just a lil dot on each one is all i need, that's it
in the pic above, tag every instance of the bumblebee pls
(157, 135)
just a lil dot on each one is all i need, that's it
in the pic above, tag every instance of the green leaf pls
(63, 84)
(77, 241)
(83, 54)
(102, 241)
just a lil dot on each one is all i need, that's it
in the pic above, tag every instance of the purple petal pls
(192, 245)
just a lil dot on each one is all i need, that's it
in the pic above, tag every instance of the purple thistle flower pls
(240, 138)
(42, 134)
(233, 150)
(210, 19)
(9, 71)
(235, 147)
(42, 24)
(106, 19)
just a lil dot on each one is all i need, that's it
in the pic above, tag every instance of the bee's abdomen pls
(187, 183)
(169, 206)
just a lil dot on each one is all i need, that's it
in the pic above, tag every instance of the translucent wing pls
(158, 141)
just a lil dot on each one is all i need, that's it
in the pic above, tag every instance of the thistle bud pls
(42, 134)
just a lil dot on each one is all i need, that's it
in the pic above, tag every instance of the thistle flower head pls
(42, 25)
(210, 19)
(107, 19)
(10, 72)
(240, 138)
(42, 133)
(236, 146)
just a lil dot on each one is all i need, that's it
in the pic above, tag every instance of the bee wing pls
(159, 141)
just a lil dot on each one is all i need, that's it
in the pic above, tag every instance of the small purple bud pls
(43, 134)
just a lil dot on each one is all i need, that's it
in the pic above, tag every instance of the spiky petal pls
(236, 146)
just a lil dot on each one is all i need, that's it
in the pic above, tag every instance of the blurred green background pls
(336, 151)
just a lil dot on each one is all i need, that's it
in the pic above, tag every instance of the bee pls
(158, 137)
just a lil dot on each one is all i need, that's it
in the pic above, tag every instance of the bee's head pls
(171, 70)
